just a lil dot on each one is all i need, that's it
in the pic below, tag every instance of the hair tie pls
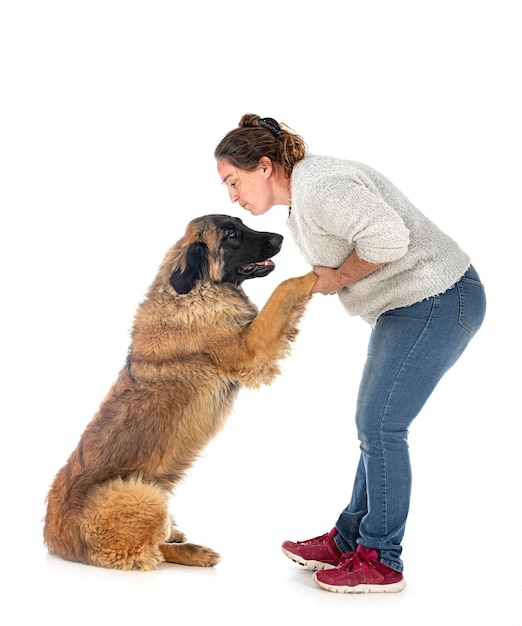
(270, 124)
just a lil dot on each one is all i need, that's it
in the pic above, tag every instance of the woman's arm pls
(330, 280)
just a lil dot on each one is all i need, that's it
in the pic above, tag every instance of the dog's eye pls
(231, 234)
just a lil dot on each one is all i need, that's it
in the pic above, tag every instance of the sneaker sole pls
(391, 588)
(311, 564)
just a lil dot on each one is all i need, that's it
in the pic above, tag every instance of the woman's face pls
(251, 190)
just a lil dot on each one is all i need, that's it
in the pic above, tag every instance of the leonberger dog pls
(196, 339)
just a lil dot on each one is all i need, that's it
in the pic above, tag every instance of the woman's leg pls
(409, 351)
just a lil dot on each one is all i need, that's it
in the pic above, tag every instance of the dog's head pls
(220, 249)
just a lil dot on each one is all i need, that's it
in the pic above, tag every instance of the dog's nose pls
(276, 240)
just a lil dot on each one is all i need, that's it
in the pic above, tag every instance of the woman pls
(412, 283)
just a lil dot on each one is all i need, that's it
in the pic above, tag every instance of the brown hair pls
(256, 137)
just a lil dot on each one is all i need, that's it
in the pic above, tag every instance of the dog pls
(196, 339)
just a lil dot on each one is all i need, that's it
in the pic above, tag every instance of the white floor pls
(282, 468)
(109, 115)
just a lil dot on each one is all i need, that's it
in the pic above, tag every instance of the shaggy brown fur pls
(196, 339)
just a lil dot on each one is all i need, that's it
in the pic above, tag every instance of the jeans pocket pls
(472, 298)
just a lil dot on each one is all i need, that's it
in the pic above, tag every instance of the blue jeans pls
(409, 351)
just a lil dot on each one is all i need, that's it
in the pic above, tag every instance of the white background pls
(109, 115)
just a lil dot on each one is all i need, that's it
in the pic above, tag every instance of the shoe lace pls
(351, 561)
(319, 539)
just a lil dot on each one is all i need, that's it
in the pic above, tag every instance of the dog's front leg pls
(277, 320)
(267, 338)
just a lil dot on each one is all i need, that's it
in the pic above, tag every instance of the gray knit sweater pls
(339, 206)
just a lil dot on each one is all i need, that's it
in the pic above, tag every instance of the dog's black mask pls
(240, 252)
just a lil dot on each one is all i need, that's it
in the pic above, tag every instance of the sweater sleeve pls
(360, 216)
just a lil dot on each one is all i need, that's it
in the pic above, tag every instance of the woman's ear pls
(265, 164)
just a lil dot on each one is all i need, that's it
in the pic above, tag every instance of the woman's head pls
(256, 137)
(255, 161)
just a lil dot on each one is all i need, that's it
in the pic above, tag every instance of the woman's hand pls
(327, 282)
(330, 280)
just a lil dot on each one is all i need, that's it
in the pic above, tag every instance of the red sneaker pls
(361, 572)
(316, 554)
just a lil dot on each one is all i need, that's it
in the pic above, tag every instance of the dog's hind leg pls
(123, 523)
(189, 554)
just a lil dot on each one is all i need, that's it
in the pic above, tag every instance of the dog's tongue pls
(251, 266)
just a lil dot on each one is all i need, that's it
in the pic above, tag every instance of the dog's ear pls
(197, 267)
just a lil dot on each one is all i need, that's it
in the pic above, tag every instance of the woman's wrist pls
(343, 278)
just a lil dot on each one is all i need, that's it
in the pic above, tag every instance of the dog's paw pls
(300, 285)
(309, 281)
(189, 554)
(176, 536)
(205, 557)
